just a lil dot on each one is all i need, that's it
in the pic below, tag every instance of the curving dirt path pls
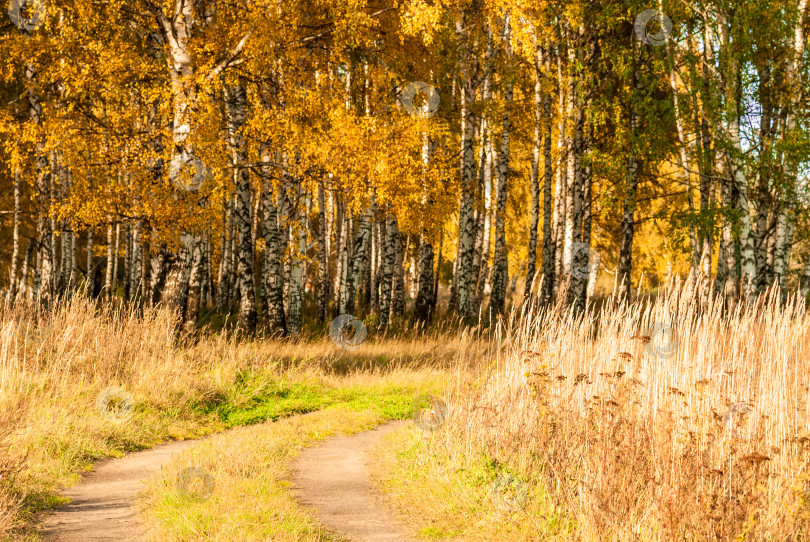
(102, 505)
(333, 479)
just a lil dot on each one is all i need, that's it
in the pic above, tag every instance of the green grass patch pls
(260, 397)
(445, 494)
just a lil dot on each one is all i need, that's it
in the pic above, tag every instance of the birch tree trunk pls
(501, 264)
(342, 257)
(481, 202)
(158, 274)
(355, 265)
(275, 247)
(466, 218)
(425, 301)
(438, 271)
(90, 283)
(236, 113)
(534, 178)
(24, 290)
(43, 286)
(730, 78)
(796, 95)
(323, 257)
(376, 256)
(115, 259)
(177, 32)
(299, 237)
(549, 262)
(561, 188)
(571, 211)
(192, 298)
(15, 251)
(225, 274)
(426, 292)
(386, 276)
(398, 287)
(145, 279)
(730, 279)
(625, 268)
(108, 276)
(804, 287)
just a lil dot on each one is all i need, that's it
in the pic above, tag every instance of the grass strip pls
(250, 471)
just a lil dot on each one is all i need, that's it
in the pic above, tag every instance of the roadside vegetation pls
(665, 421)
(82, 383)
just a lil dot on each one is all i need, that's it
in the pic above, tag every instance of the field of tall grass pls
(82, 382)
(667, 420)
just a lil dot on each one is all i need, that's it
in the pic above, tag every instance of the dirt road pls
(102, 505)
(333, 479)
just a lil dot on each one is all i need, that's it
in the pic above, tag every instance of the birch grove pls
(279, 165)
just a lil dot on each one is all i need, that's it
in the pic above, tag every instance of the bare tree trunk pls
(299, 237)
(236, 113)
(275, 246)
(534, 179)
(386, 277)
(466, 217)
(43, 284)
(354, 268)
(398, 287)
(625, 268)
(225, 274)
(501, 263)
(323, 257)
(15, 251)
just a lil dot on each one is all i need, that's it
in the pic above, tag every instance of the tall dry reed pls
(664, 421)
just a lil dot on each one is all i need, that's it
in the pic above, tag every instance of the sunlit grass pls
(250, 467)
(54, 366)
(619, 436)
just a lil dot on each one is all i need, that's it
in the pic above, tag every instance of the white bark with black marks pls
(235, 116)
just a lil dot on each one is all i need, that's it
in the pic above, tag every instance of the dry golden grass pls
(615, 441)
(619, 441)
(54, 365)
